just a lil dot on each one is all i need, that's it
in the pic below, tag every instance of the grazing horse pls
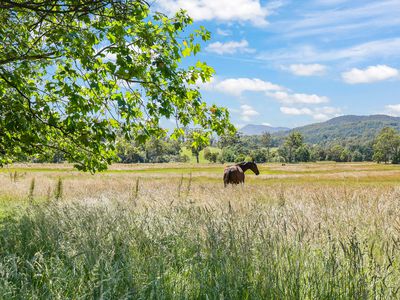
(235, 174)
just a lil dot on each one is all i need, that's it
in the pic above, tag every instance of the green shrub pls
(210, 156)
(226, 155)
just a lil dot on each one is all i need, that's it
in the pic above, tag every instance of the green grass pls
(8, 205)
(310, 231)
(115, 252)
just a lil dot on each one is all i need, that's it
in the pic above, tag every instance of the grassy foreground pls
(304, 232)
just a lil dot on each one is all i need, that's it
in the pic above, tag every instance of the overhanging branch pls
(29, 57)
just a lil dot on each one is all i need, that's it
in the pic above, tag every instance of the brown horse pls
(235, 174)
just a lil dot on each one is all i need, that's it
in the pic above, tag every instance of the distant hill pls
(345, 129)
(260, 129)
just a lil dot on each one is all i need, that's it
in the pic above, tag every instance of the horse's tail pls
(226, 177)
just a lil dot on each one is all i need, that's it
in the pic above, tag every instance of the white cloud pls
(355, 18)
(370, 74)
(319, 113)
(272, 6)
(295, 111)
(224, 32)
(378, 48)
(230, 47)
(307, 53)
(248, 112)
(288, 98)
(236, 86)
(266, 124)
(306, 70)
(348, 14)
(393, 109)
(251, 11)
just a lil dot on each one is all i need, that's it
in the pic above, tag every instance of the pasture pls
(172, 231)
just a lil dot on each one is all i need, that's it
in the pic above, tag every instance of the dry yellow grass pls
(335, 196)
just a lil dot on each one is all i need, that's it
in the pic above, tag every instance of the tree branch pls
(62, 130)
(30, 57)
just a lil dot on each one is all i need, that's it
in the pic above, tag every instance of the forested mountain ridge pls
(349, 128)
(252, 129)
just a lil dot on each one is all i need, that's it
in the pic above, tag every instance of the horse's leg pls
(241, 179)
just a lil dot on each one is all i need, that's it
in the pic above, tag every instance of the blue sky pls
(291, 63)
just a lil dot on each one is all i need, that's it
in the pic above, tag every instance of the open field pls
(171, 231)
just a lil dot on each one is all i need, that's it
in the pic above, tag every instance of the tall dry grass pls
(118, 236)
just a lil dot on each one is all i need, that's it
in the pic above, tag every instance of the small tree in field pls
(292, 142)
(387, 146)
(378, 157)
(335, 153)
(197, 141)
(317, 153)
(302, 153)
(266, 142)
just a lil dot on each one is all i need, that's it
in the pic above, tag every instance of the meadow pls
(172, 231)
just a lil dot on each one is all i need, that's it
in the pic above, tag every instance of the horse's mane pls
(244, 163)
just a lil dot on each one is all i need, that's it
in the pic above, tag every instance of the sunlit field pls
(172, 231)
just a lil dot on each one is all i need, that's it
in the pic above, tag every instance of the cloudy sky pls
(283, 63)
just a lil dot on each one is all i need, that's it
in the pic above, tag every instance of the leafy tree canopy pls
(74, 74)
(292, 142)
(197, 140)
(387, 146)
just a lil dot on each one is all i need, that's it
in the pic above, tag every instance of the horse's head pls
(249, 165)
(253, 167)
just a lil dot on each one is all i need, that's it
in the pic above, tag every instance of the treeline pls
(153, 151)
(263, 148)
(267, 148)
(291, 149)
